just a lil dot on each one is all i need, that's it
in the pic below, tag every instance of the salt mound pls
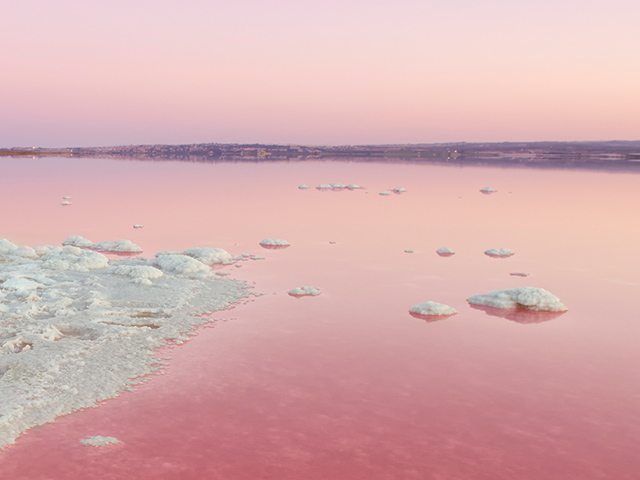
(77, 241)
(98, 441)
(209, 256)
(303, 187)
(6, 246)
(445, 252)
(498, 252)
(118, 246)
(181, 265)
(74, 259)
(524, 297)
(72, 333)
(432, 308)
(304, 291)
(137, 271)
(488, 190)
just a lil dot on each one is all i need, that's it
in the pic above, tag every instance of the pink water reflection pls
(348, 384)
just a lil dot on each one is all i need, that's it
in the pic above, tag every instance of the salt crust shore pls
(76, 328)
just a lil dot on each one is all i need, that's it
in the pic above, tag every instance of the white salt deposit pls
(408, 251)
(445, 251)
(26, 252)
(77, 241)
(65, 203)
(303, 187)
(98, 441)
(384, 193)
(274, 242)
(498, 252)
(209, 256)
(432, 308)
(519, 274)
(324, 186)
(488, 190)
(304, 291)
(338, 185)
(524, 297)
(118, 246)
(6, 246)
(137, 225)
(353, 186)
(73, 333)
(399, 190)
(66, 198)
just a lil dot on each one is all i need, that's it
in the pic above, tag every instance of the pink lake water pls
(348, 385)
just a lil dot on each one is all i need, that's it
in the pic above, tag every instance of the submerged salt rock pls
(137, 271)
(304, 291)
(432, 308)
(75, 259)
(519, 274)
(118, 246)
(6, 246)
(498, 252)
(445, 252)
(209, 256)
(77, 241)
(98, 441)
(303, 187)
(488, 190)
(524, 297)
(274, 242)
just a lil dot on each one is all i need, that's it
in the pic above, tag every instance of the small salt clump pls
(353, 186)
(498, 252)
(384, 193)
(324, 186)
(445, 252)
(98, 441)
(432, 308)
(303, 187)
(77, 241)
(66, 198)
(274, 242)
(65, 203)
(399, 190)
(408, 251)
(524, 297)
(137, 225)
(488, 190)
(337, 185)
(304, 291)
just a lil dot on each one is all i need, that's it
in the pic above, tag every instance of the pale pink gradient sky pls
(77, 73)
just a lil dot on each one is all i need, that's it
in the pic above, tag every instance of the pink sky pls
(78, 73)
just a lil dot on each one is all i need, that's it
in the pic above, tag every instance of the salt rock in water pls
(66, 198)
(137, 225)
(498, 252)
(432, 308)
(399, 190)
(65, 203)
(209, 256)
(274, 243)
(384, 193)
(118, 246)
(98, 441)
(304, 291)
(323, 186)
(487, 190)
(445, 252)
(74, 259)
(6, 246)
(408, 251)
(532, 298)
(519, 274)
(303, 186)
(353, 186)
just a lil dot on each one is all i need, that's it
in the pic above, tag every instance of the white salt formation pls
(274, 242)
(137, 225)
(432, 308)
(66, 198)
(304, 291)
(324, 186)
(303, 187)
(118, 246)
(408, 251)
(338, 185)
(399, 190)
(519, 274)
(488, 190)
(209, 256)
(524, 297)
(384, 193)
(498, 252)
(444, 251)
(65, 203)
(353, 186)
(98, 441)
(76, 328)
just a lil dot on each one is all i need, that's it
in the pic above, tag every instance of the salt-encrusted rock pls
(432, 308)
(338, 186)
(498, 252)
(304, 291)
(399, 190)
(532, 298)
(137, 225)
(408, 251)
(353, 186)
(65, 203)
(98, 441)
(209, 256)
